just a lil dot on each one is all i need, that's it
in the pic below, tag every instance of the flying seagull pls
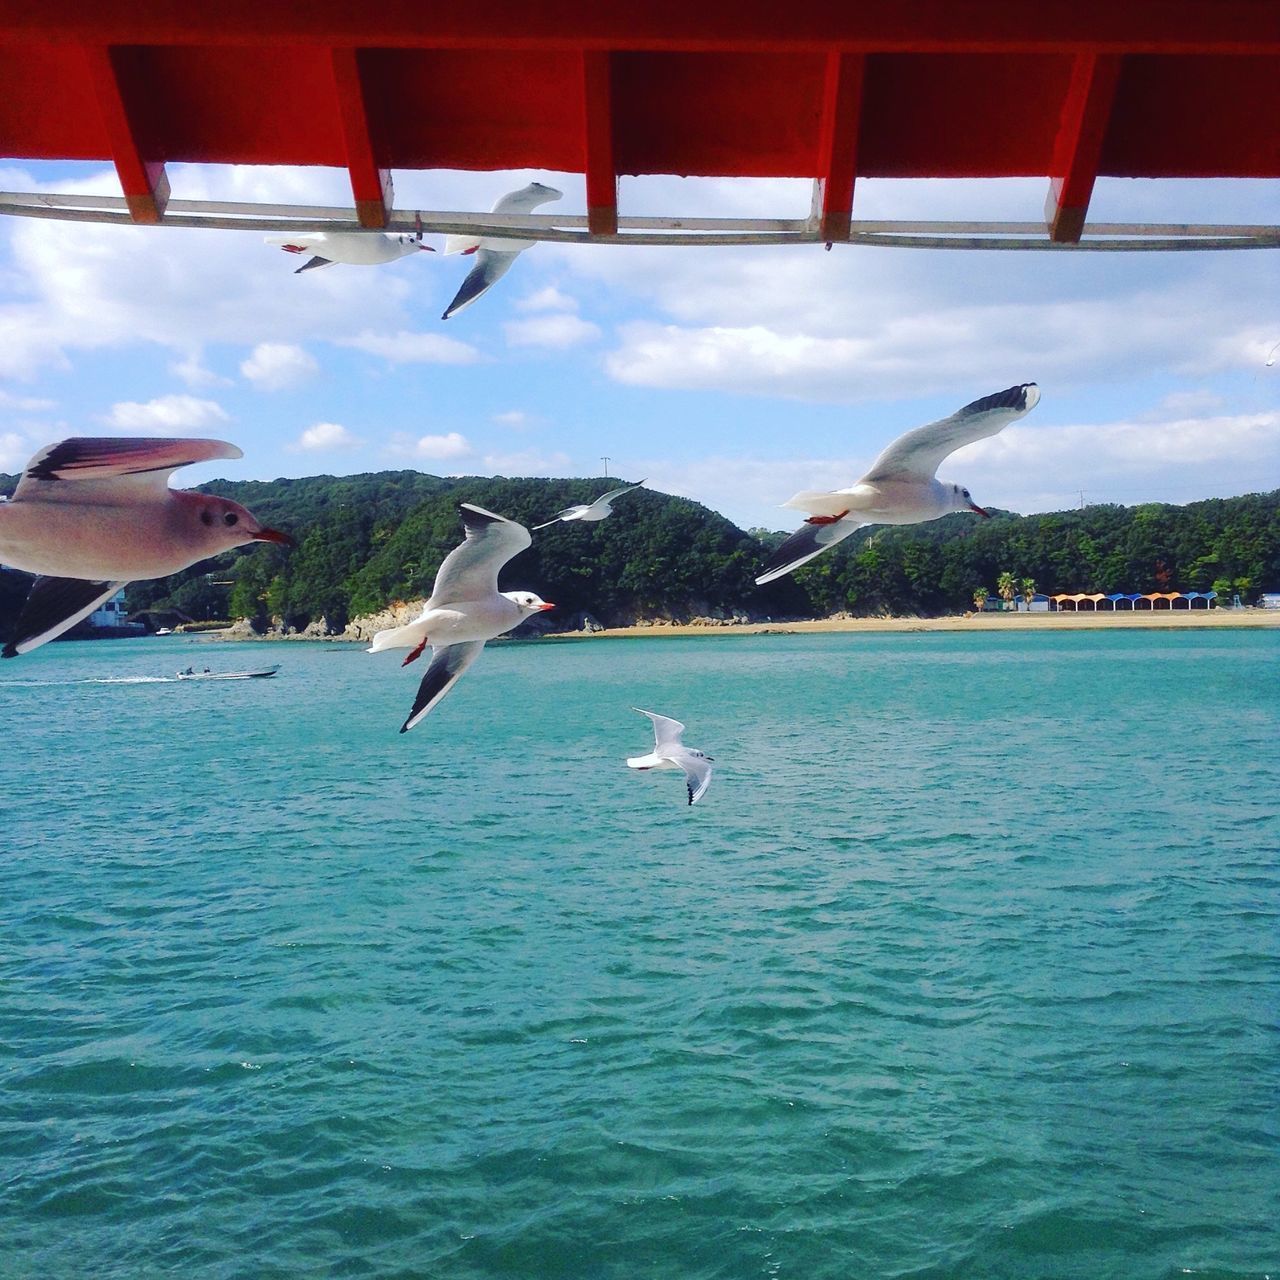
(901, 487)
(670, 753)
(596, 510)
(466, 609)
(494, 255)
(357, 248)
(91, 514)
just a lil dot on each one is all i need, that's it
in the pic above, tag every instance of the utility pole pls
(606, 467)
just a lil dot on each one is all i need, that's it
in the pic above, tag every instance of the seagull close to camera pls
(466, 609)
(92, 514)
(355, 248)
(495, 255)
(901, 487)
(670, 753)
(596, 510)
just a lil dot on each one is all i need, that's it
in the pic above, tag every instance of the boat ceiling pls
(730, 88)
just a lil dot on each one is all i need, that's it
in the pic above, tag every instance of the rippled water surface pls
(967, 966)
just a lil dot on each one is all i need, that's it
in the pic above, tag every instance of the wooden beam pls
(113, 72)
(1077, 150)
(371, 186)
(837, 158)
(601, 172)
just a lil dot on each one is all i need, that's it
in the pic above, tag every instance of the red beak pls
(544, 607)
(986, 515)
(274, 535)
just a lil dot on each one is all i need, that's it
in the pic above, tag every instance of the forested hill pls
(368, 540)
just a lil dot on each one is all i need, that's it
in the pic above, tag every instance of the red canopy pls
(933, 88)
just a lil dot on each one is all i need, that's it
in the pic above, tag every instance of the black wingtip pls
(1009, 398)
(8, 652)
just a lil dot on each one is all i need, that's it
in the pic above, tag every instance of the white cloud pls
(530, 462)
(274, 366)
(556, 330)
(166, 413)
(548, 299)
(440, 448)
(25, 404)
(14, 452)
(325, 437)
(512, 418)
(192, 371)
(413, 348)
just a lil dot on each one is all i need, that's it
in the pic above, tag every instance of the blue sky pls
(733, 376)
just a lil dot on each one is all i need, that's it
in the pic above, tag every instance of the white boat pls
(206, 674)
(164, 631)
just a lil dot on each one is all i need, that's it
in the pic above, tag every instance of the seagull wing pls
(491, 266)
(697, 774)
(470, 570)
(666, 732)
(124, 464)
(605, 498)
(55, 605)
(314, 264)
(808, 541)
(917, 455)
(569, 513)
(447, 664)
(526, 199)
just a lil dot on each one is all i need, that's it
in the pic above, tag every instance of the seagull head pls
(222, 524)
(963, 502)
(527, 602)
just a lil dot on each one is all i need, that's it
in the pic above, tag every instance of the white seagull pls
(596, 510)
(901, 487)
(670, 753)
(495, 255)
(466, 609)
(356, 248)
(90, 515)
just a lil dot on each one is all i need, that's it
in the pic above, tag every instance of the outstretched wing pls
(55, 605)
(605, 498)
(470, 571)
(314, 264)
(917, 455)
(491, 266)
(447, 664)
(666, 732)
(808, 541)
(139, 463)
(697, 774)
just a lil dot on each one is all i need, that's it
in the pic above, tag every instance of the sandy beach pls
(1161, 621)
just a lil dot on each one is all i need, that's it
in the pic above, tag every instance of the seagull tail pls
(406, 637)
(819, 502)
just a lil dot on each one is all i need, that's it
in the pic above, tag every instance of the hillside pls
(368, 540)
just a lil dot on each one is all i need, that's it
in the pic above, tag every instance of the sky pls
(734, 376)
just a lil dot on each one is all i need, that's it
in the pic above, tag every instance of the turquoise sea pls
(968, 965)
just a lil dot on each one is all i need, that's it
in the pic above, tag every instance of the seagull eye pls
(206, 517)
(230, 518)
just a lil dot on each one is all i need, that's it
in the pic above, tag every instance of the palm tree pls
(1004, 588)
(979, 598)
(1028, 590)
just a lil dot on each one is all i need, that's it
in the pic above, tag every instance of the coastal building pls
(111, 618)
(1119, 601)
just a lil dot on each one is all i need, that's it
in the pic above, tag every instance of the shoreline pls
(985, 622)
(1088, 621)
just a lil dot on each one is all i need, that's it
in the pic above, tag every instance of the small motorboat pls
(191, 674)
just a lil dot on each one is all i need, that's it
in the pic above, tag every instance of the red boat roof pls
(828, 91)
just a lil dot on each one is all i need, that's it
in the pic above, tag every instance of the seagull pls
(670, 753)
(596, 510)
(466, 609)
(494, 255)
(92, 514)
(357, 248)
(900, 488)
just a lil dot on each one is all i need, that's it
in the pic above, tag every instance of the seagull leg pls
(827, 519)
(414, 653)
